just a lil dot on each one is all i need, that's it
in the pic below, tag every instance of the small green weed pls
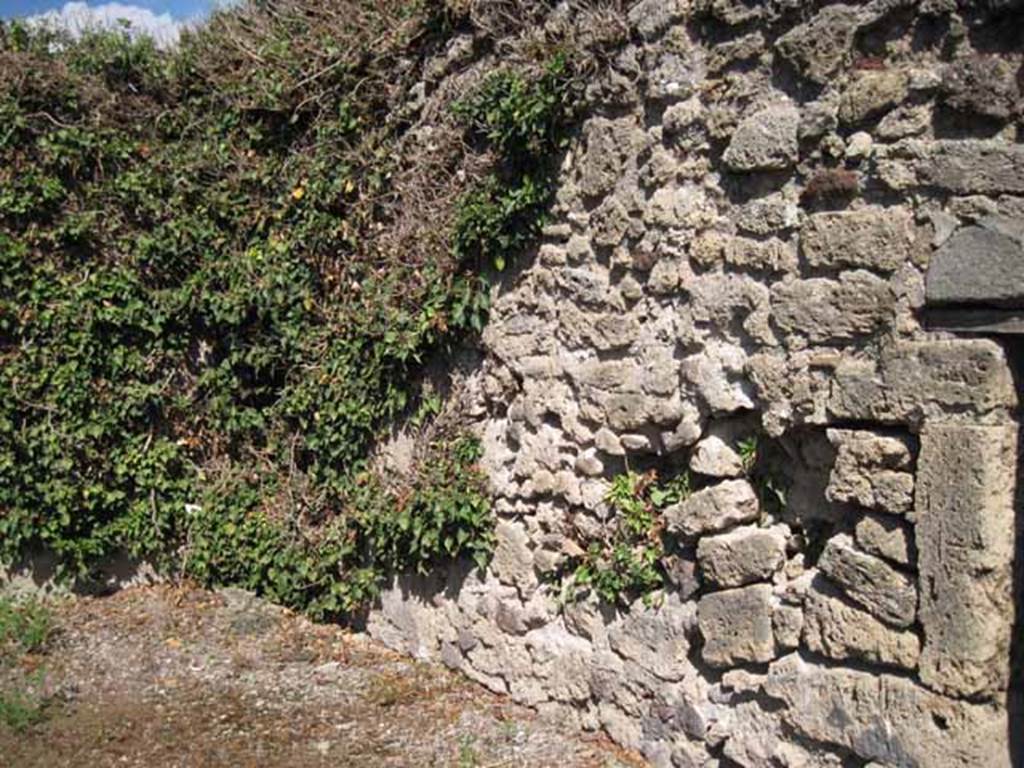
(24, 705)
(25, 627)
(626, 563)
(748, 453)
(467, 752)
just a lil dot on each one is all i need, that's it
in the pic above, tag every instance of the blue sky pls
(179, 9)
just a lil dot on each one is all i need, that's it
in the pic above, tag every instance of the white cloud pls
(76, 17)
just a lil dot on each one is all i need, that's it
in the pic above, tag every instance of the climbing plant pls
(206, 317)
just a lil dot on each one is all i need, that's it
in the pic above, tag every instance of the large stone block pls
(965, 535)
(841, 631)
(887, 718)
(737, 626)
(878, 587)
(714, 509)
(962, 167)
(765, 141)
(608, 143)
(874, 238)
(887, 537)
(856, 305)
(742, 555)
(980, 264)
(906, 382)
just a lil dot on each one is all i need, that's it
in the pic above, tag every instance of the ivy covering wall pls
(220, 277)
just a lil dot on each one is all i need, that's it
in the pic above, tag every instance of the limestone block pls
(729, 301)
(716, 373)
(656, 638)
(742, 555)
(765, 141)
(675, 76)
(871, 93)
(979, 264)
(788, 624)
(713, 457)
(882, 590)
(906, 382)
(767, 215)
(512, 562)
(737, 626)
(908, 120)
(873, 238)
(652, 17)
(608, 143)
(982, 85)
(959, 166)
(856, 305)
(870, 471)
(887, 537)
(840, 631)
(965, 526)
(818, 48)
(737, 11)
(713, 248)
(887, 718)
(714, 509)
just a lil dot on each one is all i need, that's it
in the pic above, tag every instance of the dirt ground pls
(172, 676)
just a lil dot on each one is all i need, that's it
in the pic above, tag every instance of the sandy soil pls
(174, 676)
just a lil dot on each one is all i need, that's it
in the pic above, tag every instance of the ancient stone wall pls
(749, 230)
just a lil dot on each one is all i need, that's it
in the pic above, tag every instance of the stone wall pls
(742, 245)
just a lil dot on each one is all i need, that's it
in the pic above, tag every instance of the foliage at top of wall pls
(219, 274)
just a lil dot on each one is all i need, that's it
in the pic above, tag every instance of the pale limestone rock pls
(879, 239)
(907, 382)
(870, 471)
(859, 147)
(959, 166)
(713, 457)
(737, 626)
(714, 248)
(886, 718)
(872, 93)
(714, 509)
(858, 304)
(840, 631)
(878, 587)
(732, 302)
(965, 516)
(742, 555)
(608, 143)
(765, 141)
(653, 17)
(887, 537)
(788, 624)
(716, 374)
(818, 47)
(905, 121)
(655, 638)
(512, 562)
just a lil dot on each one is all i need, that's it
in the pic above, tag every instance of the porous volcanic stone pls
(737, 626)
